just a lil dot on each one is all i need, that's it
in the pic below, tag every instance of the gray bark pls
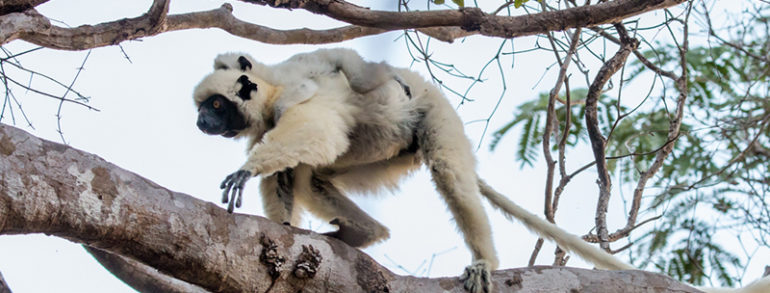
(51, 188)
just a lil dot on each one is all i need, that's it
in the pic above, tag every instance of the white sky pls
(147, 126)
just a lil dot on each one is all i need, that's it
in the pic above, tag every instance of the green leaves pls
(531, 116)
(518, 3)
(713, 185)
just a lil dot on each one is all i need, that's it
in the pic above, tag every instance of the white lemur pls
(327, 123)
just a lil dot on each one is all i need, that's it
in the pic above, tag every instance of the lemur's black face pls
(219, 116)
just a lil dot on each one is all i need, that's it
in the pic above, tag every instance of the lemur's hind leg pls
(323, 199)
(278, 197)
(447, 153)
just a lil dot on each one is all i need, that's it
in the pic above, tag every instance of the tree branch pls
(50, 188)
(598, 142)
(675, 124)
(35, 28)
(444, 25)
(473, 19)
(140, 276)
(10, 6)
(3, 285)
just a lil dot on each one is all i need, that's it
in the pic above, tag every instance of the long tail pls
(574, 244)
(545, 229)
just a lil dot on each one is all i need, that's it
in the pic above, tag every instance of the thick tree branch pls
(3, 285)
(9, 6)
(50, 188)
(473, 19)
(140, 276)
(222, 18)
(444, 25)
(35, 28)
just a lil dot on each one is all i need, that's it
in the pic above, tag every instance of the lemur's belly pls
(369, 143)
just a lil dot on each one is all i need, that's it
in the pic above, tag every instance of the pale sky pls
(147, 126)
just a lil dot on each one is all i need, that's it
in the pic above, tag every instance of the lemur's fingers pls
(226, 186)
(233, 188)
(239, 187)
(230, 207)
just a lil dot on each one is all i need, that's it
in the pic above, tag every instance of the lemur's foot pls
(476, 278)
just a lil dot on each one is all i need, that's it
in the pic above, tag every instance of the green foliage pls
(718, 166)
(692, 249)
(532, 115)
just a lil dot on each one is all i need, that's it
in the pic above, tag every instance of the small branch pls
(647, 63)
(551, 120)
(64, 98)
(598, 142)
(740, 156)
(615, 236)
(673, 133)
(535, 252)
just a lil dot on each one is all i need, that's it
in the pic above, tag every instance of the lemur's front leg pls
(311, 133)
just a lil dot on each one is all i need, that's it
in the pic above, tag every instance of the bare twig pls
(593, 238)
(551, 120)
(647, 63)
(64, 98)
(673, 133)
(536, 251)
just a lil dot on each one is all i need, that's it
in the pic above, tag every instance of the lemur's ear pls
(244, 63)
(246, 86)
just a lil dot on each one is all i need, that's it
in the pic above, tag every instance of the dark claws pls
(234, 182)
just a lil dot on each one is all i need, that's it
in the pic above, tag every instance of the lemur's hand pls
(234, 182)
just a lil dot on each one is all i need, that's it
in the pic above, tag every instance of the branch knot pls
(472, 19)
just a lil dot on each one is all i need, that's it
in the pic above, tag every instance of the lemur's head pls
(231, 99)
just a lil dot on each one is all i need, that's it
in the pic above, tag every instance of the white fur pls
(355, 132)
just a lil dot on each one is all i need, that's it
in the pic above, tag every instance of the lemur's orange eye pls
(216, 104)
